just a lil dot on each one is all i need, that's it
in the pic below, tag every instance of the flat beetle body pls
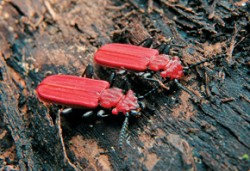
(81, 92)
(138, 58)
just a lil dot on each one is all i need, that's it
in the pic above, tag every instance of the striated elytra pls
(137, 58)
(81, 92)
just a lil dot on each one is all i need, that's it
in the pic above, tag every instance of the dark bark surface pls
(40, 38)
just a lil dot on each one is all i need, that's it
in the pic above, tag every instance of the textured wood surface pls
(44, 37)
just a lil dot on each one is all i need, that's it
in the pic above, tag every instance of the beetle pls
(88, 93)
(141, 59)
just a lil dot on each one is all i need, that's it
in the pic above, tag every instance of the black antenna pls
(123, 131)
(148, 93)
(159, 84)
(206, 60)
(196, 99)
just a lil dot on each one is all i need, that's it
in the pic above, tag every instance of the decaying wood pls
(40, 38)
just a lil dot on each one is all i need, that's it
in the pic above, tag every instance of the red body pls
(80, 92)
(138, 58)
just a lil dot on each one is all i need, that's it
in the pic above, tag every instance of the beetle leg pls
(146, 75)
(163, 48)
(87, 114)
(123, 131)
(146, 42)
(121, 72)
(112, 78)
(185, 70)
(142, 105)
(101, 113)
(67, 111)
(126, 85)
(113, 75)
(88, 72)
(162, 84)
(135, 113)
(159, 82)
(195, 98)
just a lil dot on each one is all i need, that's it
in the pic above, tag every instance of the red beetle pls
(137, 58)
(81, 92)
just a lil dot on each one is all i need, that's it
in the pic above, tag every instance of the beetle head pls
(137, 112)
(173, 70)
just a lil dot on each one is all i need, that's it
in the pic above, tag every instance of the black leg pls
(146, 42)
(126, 85)
(163, 48)
(88, 72)
(102, 114)
(142, 105)
(160, 83)
(67, 111)
(88, 114)
(112, 79)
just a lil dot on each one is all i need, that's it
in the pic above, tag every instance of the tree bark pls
(40, 38)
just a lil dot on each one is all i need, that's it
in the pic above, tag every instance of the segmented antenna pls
(148, 93)
(123, 131)
(207, 60)
(187, 90)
